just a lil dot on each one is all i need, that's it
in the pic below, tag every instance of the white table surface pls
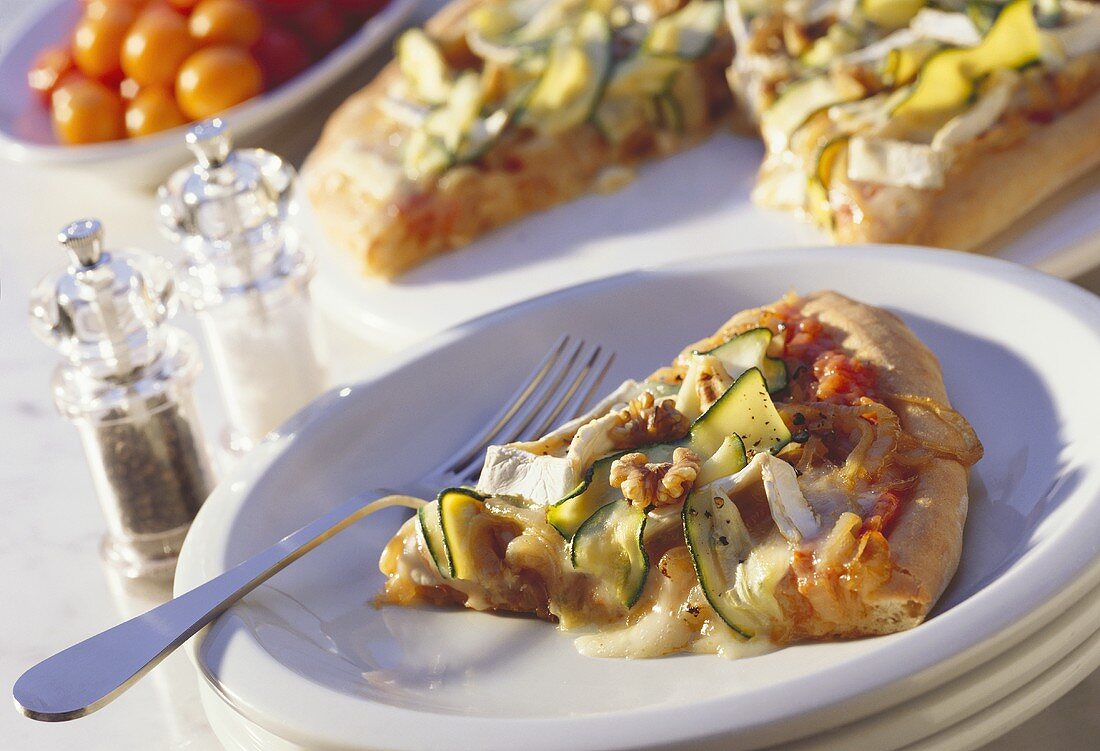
(53, 588)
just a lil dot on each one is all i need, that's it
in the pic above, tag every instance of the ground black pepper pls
(154, 466)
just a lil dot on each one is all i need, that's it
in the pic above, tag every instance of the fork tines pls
(559, 389)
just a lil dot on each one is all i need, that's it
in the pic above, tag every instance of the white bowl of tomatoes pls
(112, 84)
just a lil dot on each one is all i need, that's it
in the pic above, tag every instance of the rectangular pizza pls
(935, 122)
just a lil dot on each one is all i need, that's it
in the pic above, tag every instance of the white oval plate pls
(25, 131)
(307, 657)
(948, 718)
(688, 206)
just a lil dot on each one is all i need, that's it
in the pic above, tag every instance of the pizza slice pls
(935, 123)
(501, 108)
(798, 475)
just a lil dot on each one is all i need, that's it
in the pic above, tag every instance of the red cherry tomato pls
(156, 46)
(49, 69)
(86, 111)
(281, 55)
(216, 78)
(226, 22)
(322, 27)
(152, 110)
(97, 39)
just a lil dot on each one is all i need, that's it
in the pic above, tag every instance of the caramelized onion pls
(970, 449)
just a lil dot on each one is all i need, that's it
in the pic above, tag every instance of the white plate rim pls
(245, 116)
(934, 665)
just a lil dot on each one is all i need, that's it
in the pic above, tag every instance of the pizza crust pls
(393, 233)
(984, 194)
(926, 537)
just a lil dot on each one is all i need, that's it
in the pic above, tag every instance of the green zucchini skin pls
(751, 347)
(431, 530)
(453, 548)
(705, 527)
(609, 545)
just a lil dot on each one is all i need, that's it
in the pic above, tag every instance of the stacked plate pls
(306, 662)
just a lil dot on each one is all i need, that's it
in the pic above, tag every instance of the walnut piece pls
(713, 381)
(663, 484)
(645, 420)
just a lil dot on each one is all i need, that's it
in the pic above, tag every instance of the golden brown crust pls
(984, 194)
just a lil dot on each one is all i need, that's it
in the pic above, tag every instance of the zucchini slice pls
(728, 460)
(817, 192)
(423, 66)
(719, 542)
(457, 508)
(750, 350)
(799, 101)
(642, 75)
(576, 71)
(431, 531)
(609, 546)
(689, 33)
(947, 79)
(452, 122)
(902, 64)
(744, 410)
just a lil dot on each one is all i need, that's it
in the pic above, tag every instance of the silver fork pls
(88, 675)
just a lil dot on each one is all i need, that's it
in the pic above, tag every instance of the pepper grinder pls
(126, 384)
(247, 278)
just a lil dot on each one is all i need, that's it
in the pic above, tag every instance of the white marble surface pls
(53, 588)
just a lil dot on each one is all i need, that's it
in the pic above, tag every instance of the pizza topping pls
(889, 93)
(889, 162)
(648, 420)
(659, 484)
(956, 29)
(522, 69)
(1081, 35)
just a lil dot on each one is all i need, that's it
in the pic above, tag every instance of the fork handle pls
(88, 675)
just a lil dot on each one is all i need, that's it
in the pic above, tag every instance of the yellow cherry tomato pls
(153, 109)
(216, 78)
(97, 39)
(156, 46)
(86, 111)
(226, 22)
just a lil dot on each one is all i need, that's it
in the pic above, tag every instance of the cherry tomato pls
(226, 22)
(216, 78)
(184, 5)
(98, 8)
(49, 69)
(322, 26)
(281, 55)
(97, 39)
(128, 88)
(153, 109)
(86, 111)
(156, 46)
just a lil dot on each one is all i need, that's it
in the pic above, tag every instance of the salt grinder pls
(247, 277)
(126, 383)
